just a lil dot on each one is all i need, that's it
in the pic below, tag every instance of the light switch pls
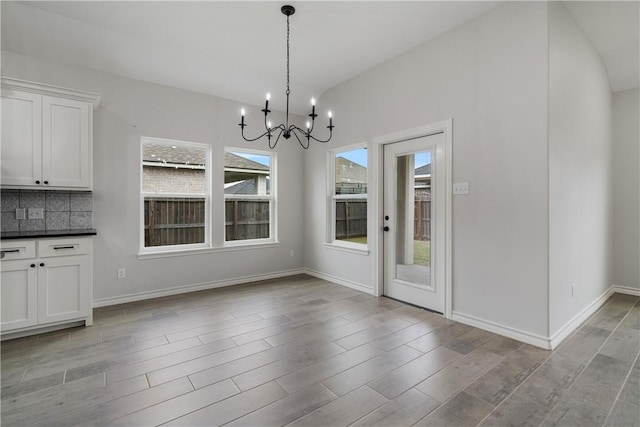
(36, 213)
(461, 188)
(20, 213)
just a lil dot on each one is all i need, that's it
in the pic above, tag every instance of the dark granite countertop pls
(5, 235)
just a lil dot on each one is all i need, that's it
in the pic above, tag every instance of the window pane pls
(246, 173)
(175, 192)
(173, 221)
(246, 219)
(351, 172)
(351, 220)
(173, 169)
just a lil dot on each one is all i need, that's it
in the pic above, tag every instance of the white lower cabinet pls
(51, 284)
(19, 281)
(62, 288)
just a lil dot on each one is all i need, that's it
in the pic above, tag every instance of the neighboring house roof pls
(247, 186)
(160, 153)
(423, 170)
(348, 171)
(238, 162)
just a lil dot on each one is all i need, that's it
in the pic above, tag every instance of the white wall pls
(490, 76)
(626, 188)
(130, 109)
(580, 171)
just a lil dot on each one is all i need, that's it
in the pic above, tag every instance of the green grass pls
(421, 250)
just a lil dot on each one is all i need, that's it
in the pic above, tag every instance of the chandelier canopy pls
(285, 129)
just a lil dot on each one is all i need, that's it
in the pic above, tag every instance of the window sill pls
(199, 251)
(358, 250)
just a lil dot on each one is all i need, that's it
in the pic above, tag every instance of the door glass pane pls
(413, 218)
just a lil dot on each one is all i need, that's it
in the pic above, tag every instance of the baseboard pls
(103, 302)
(626, 290)
(507, 331)
(577, 320)
(340, 281)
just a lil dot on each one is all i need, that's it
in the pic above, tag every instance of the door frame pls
(445, 127)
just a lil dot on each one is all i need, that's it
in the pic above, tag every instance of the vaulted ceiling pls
(237, 49)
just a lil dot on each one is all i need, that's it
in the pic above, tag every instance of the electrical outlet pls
(36, 213)
(291, 253)
(121, 273)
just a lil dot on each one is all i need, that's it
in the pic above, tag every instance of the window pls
(349, 196)
(174, 193)
(249, 195)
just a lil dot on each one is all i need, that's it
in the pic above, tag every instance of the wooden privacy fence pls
(246, 219)
(173, 221)
(180, 221)
(351, 219)
(422, 220)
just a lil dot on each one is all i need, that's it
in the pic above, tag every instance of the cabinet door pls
(21, 146)
(63, 286)
(66, 143)
(19, 287)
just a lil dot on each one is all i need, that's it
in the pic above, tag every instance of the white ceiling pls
(237, 49)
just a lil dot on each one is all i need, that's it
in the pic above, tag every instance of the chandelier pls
(285, 129)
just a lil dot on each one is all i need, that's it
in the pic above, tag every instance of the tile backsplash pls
(62, 209)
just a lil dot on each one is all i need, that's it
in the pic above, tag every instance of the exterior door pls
(414, 238)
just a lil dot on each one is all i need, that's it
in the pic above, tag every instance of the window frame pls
(271, 197)
(149, 250)
(332, 242)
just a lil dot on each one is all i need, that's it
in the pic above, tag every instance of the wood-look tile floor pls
(302, 351)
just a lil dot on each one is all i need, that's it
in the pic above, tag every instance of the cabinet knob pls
(33, 265)
(37, 182)
(46, 182)
(42, 264)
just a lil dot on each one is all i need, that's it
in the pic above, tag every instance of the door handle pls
(386, 228)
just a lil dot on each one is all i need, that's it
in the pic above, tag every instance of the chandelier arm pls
(293, 131)
(252, 139)
(323, 141)
(271, 147)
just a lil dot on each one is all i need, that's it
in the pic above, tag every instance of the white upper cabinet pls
(46, 136)
(21, 138)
